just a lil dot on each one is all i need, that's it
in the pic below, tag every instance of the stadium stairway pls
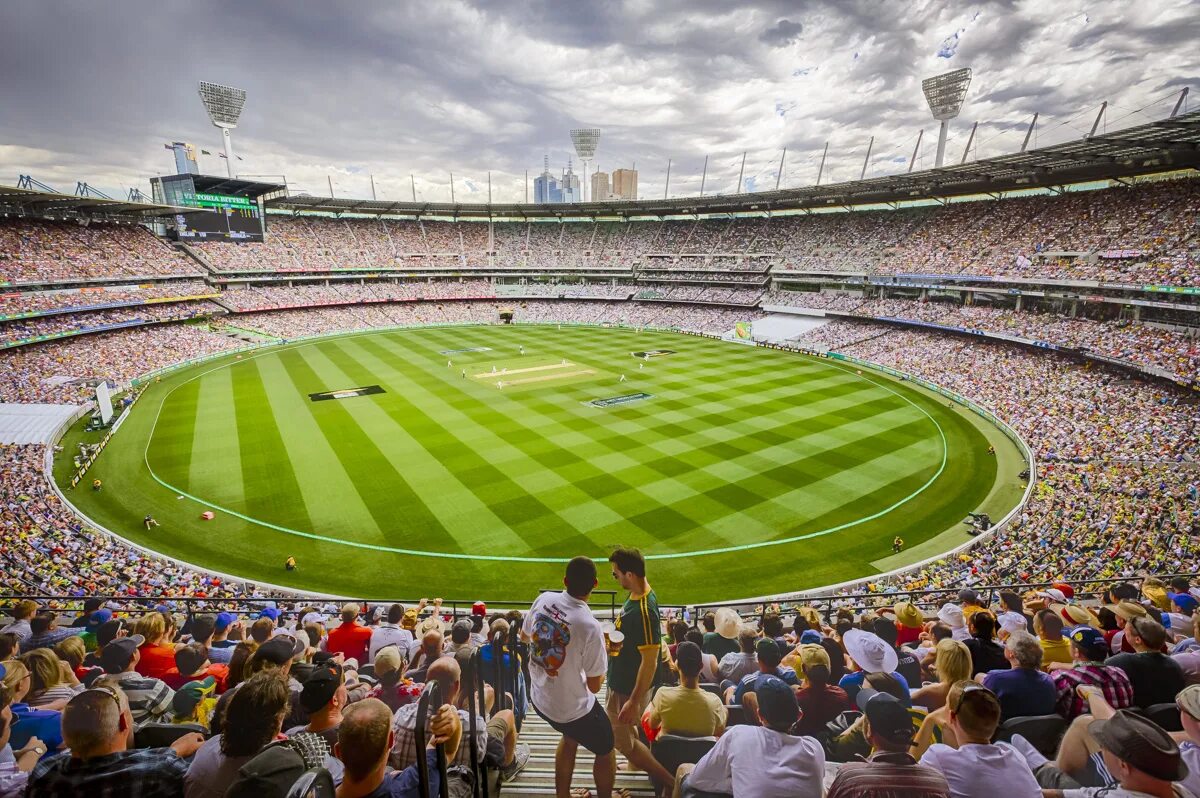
(537, 779)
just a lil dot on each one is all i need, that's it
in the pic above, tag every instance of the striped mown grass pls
(767, 460)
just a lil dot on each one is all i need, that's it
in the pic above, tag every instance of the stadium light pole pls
(224, 105)
(945, 94)
(585, 141)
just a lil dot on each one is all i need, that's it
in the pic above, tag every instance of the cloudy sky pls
(346, 90)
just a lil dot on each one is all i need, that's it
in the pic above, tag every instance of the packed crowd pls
(32, 327)
(64, 371)
(317, 321)
(702, 293)
(43, 301)
(1132, 235)
(39, 250)
(1041, 694)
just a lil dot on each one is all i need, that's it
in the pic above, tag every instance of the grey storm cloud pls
(783, 33)
(408, 93)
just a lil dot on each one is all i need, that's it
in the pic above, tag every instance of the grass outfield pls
(748, 471)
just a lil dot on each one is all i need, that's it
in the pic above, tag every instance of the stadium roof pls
(31, 202)
(1162, 146)
(234, 186)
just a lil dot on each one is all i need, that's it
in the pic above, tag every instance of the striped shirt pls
(1113, 683)
(888, 775)
(149, 699)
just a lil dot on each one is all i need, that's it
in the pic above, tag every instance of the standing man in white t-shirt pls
(567, 662)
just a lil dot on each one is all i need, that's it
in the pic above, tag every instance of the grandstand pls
(1041, 310)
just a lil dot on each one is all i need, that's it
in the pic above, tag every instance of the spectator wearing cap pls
(977, 768)
(350, 638)
(909, 623)
(22, 613)
(871, 655)
(90, 605)
(952, 616)
(736, 664)
(223, 625)
(393, 687)
(890, 771)
(969, 600)
(192, 664)
(253, 718)
(1125, 611)
(91, 624)
(687, 710)
(766, 761)
(986, 654)
(202, 629)
(1088, 668)
(496, 738)
(323, 697)
(1134, 755)
(195, 702)
(1049, 627)
(820, 701)
(157, 653)
(46, 633)
(28, 723)
(107, 632)
(769, 659)
(1156, 678)
(951, 665)
(390, 633)
(1188, 702)
(98, 726)
(1183, 607)
(1022, 688)
(149, 698)
(460, 637)
(722, 638)
(365, 740)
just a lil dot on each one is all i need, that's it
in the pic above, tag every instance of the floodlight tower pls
(224, 106)
(585, 141)
(945, 94)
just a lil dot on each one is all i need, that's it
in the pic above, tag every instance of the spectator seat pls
(315, 783)
(673, 750)
(161, 735)
(1165, 715)
(1042, 731)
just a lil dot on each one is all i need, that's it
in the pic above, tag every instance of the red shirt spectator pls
(351, 638)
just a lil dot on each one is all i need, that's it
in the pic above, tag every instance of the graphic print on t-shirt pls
(551, 635)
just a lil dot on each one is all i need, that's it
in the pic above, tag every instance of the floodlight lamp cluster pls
(585, 141)
(223, 103)
(945, 93)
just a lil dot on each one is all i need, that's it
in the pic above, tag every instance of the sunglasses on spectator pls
(974, 687)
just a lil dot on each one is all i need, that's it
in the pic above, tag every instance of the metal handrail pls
(432, 694)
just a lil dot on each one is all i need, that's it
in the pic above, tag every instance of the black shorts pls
(593, 731)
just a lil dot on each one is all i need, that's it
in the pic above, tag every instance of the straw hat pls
(1128, 610)
(431, 624)
(1074, 615)
(728, 623)
(908, 615)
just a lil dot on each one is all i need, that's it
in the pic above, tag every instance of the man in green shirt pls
(631, 672)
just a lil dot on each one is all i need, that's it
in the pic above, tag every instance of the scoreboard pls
(228, 218)
(225, 209)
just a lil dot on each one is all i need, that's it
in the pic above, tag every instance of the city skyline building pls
(625, 183)
(600, 186)
(571, 187)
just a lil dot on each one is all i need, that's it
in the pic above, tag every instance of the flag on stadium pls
(168, 147)
(205, 152)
